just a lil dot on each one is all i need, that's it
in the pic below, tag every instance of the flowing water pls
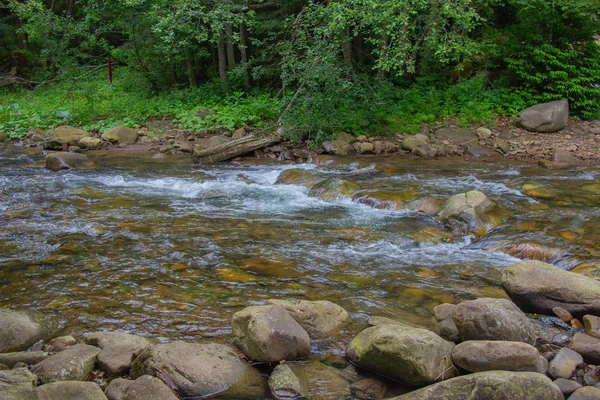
(171, 250)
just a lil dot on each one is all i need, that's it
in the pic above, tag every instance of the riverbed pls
(170, 250)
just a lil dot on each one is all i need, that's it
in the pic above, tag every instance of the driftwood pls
(232, 149)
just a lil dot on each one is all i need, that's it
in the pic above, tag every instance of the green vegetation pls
(368, 67)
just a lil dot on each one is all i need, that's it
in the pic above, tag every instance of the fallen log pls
(232, 149)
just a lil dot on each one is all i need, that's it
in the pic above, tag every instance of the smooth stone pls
(412, 142)
(118, 350)
(562, 155)
(538, 287)
(284, 384)
(19, 383)
(429, 207)
(591, 324)
(491, 385)
(369, 389)
(121, 135)
(70, 391)
(587, 346)
(484, 355)
(567, 386)
(493, 319)
(446, 326)
(483, 133)
(67, 160)
(562, 314)
(564, 363)
(269, 333)
(63, 136)
(148, 388)
(320, 319)
(546, 117)
(62, 342)
(116, 388)
(25, 357)
(197, 370)
(320, 381)
(586, 393)
(20, 330)
(412, 356)
(75, 363)
(89, 142)
(468, 212)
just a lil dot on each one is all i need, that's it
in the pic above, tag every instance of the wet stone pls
(320, 381)
(562, 314)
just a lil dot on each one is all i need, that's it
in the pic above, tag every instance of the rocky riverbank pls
(480, 346)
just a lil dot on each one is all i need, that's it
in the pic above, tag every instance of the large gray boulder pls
(19, 383)
(19, 330)
(70, 391)
(491, 385)
(470, 213)
(121, 135)
(197, 370)
(486, 355)
(63, 136)
(72, 364)
(148, 388)
(118, 350)
(269, 333)
(546, 117)
(320, 319)
(538, 287)
(412, 356)
(493, 319)
(66, 160)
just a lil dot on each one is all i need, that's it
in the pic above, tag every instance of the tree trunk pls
(191, 71)
(222, 62)
(233, 148)
(347, 51)
(244, 54)
(360, 49)
(230, 48)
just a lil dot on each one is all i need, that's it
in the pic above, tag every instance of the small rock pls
(446, 326)
(567, 386)
(70, 391)
(148, 388)
(75, 363)
(116, 388)
(238, 133)
(63, 136)
(25, 357)
(62, 342)
(483, 355)
(587, 346)
(483, 133)
(592, 325)
(412, 142)
(216, 141)
(369, 389)
(470, 212)
(586, 393)
(320, 381)
(429, 207)
(562, 155)
(74, 149)
(118, 350)
(284, 384)
(89, 142)
(564, 364)
(66, 160)
(364, 147)
(121, 135)
(562, 314)
(269, 333)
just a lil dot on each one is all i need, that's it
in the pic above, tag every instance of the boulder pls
(567, 386)
(89, 142)
(564, 363)
(446, 326)
(491, 385)
(70, 391)
(116, 388)
(66, 160)
(148, 388)
(412, 356)
(25, 357)
(62, 136)
(587, 346)
(197, 370)
(546, 117)
(118, 350)
(332, 189)
(320, 319)
(429, 207)
(121, 135)
(301, 177)
(72, 364)
(19, 330)
(269, 333)
(485, 355)
(320, 381)
(538, 287)
(591, 324)
(19, 383)
(493, 319)
(284, 384)
(470, 212)
(411, 143)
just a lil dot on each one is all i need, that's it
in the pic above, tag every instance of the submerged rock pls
(300, 177)
(72, 364)
(196, 370)
(539, 287)
(284, 384)
(412, 356)
(269, 333)
(320, 381)
(66, 160)
(19, 330)
(546, 117)
(485, 355)
(492, 319)
(491, 385)
(320, 319)
(333, 189)
(385, 200)
(470, 212)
